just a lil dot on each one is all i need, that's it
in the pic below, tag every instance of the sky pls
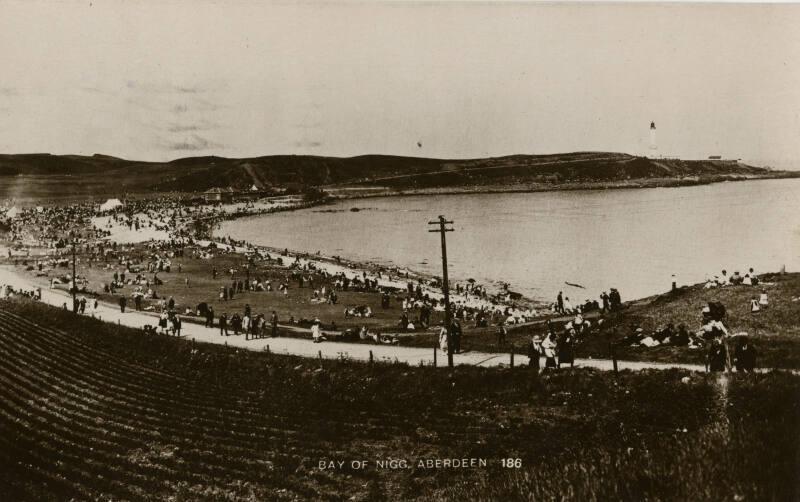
(163, 80)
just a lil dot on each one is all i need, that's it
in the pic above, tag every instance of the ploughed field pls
(90, 410)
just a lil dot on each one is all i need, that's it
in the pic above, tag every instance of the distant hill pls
(99, 175)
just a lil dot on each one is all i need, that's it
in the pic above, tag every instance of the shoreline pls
(367, 192)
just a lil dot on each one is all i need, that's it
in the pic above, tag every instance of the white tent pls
(13, 212)
(110, 205)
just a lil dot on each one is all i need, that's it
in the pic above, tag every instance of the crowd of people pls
(608, 302)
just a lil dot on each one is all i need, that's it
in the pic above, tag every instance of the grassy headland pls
(52, 178)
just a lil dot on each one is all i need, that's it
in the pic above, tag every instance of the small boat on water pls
(573, 285)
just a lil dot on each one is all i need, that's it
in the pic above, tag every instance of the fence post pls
(434, 357)
(512, 356)
(613, 357)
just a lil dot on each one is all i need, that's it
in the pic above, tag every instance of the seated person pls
(681, 337)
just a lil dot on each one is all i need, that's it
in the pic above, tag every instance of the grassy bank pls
(92, 410)
(775, 331)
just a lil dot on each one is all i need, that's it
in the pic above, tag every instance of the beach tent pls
(110, 205)
(13, 212)
(254, 188)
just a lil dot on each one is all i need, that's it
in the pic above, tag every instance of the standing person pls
(316, 333)
(210, 317)
(564, 347)
(214, 272)
(273, 320)
(717, 356)
(223, 324)
(560, 303)
(246, 325)
(745, 356)
(443, 338)
(604, 298)
(455, 337)
(236, 324)
(534, 351)
(502, 331)
(122, 302)
(549, 349)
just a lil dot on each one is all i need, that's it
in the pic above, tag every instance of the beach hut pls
(13, 212)
(219, 195)
(110, 205)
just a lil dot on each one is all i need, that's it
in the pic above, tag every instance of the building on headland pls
(653, 145)
(217, 194)
(228, 194)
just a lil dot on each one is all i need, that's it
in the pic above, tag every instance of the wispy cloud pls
(200, 126)
(193, 144)
(307, 144)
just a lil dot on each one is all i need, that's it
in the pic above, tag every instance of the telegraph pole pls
(442, 222)
(74, 285)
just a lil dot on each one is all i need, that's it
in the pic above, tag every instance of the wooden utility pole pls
(442, 223)
(74, 284)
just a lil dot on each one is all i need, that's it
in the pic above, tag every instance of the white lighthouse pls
(653, 145)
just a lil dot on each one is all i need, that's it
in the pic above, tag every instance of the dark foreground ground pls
(92, 411)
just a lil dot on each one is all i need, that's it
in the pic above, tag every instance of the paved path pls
(306, 348)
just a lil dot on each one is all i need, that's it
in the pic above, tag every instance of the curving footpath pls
(329, 350)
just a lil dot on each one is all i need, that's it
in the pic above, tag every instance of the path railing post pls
(613, 350)
(512, 356)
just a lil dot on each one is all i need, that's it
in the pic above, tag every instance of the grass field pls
(97, 411)
(202, 287)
